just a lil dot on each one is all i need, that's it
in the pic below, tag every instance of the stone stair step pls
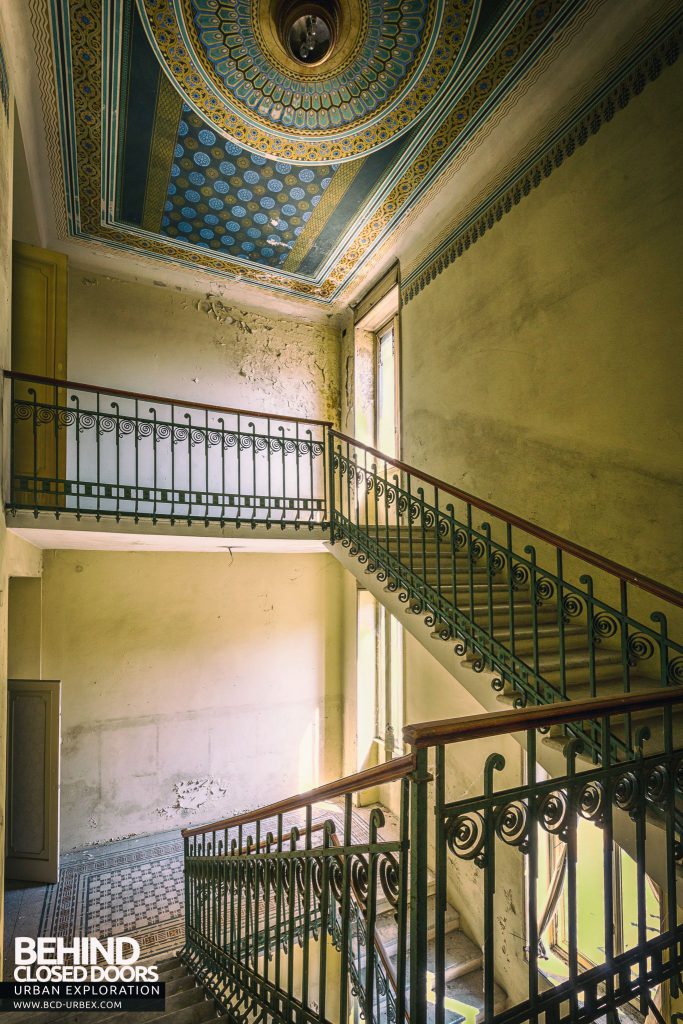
(386, 928)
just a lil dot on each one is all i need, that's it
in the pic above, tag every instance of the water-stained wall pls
(542, 368)
(194, 686)
(199, 347)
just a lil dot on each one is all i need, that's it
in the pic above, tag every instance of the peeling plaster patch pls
(192, 794)
(89, 282)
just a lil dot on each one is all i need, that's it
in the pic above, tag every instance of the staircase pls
(484, 591)
(579, 646)
(463, 974)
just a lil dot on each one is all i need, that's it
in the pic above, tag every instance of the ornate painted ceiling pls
(190, 134)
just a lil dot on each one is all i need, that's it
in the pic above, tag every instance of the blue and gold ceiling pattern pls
(279, 202)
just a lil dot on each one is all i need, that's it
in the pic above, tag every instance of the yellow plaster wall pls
(194, 686)
(542, 370)
(169, 342)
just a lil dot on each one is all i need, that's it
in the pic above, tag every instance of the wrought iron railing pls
(87, 450)
(282, 903)
(499, 830)
(281, 915)
(481, 578)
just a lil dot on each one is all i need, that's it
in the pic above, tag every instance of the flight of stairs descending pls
(186, 1003)
(464, 973)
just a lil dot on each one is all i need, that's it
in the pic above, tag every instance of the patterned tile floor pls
(133, 887)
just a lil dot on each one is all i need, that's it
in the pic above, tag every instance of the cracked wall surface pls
(199, 347)
(194, 686)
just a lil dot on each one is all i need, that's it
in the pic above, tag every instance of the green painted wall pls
(543, 370)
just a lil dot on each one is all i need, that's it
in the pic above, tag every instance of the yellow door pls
(39, 304)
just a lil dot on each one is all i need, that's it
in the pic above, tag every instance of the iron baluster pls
(206, 467)
(511, 593)
(74, 399)
(402, 907)
(188, 416)
(33, 392)
(560, 624)
(397, 502)
(494, 762)
(172, 443)
(423, 538)
(386, 509)
(155, 478)
(137, 464)
(307, 910)
(571, 840)
(309, 434)
(281, 431)
(530, 550)
(486, 530)
(411, 562)
(252, 518)
(347, 464)
(56, 438)
(278, 903)
(376, 817)
(532, 870)
(345, 912)
(450, 509)
(587, 582)
(324, 923)
(608, 858)
(440, 891)
(292, 865)
(331, 491)
(117, 435)
(470, 563)
(418, 890)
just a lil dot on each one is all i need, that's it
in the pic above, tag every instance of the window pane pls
(386, 394)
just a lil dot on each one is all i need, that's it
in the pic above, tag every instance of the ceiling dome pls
(314, 82)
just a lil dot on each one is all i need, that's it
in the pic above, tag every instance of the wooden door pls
(39, 306)
(33, 741)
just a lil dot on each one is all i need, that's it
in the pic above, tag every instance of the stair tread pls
(386, 927)
(461, 954)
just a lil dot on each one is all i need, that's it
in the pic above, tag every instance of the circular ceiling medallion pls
(312, 82)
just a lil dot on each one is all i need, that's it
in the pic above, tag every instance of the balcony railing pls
(86, 450)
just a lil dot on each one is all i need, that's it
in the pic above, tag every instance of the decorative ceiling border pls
(660, 50)
(497, 70)
(46, 71)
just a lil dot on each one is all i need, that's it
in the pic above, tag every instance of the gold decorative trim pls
(248, 129)
(337, 189)
(39, 16)
(169, 106)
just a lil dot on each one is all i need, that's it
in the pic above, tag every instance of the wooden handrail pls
(52, 381)
(501, 723)
(399, 768)
(622, 572)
